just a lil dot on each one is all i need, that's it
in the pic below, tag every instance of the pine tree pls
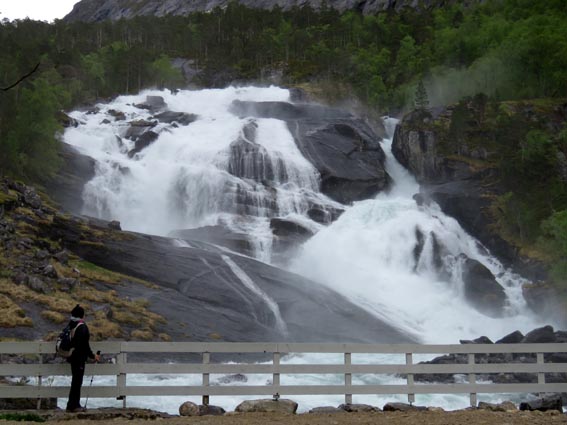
(421, 100)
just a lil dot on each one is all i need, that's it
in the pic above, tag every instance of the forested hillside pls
(505, 50)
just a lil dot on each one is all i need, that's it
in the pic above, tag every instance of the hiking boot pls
(76, 410)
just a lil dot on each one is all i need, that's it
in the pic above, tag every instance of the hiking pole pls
(92, 377)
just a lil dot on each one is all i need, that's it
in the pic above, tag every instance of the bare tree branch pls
(22, 78)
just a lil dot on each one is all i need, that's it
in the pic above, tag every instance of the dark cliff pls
(474, 160)
(100, 10)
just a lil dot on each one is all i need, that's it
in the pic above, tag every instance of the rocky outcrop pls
(543, 404)
(267, 405)
(153, 104)
(402, 407)
(481, 289)
(545, 334)
(344, 150)
(200, 285)
(288, 235)
(540, 296)
(66, 187)
(100, 10)
(358, 408)
(181, 118)
(250, 160)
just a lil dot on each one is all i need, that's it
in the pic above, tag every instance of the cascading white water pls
(192, 176)
(368, 255)
(240, 172)
(207, 173)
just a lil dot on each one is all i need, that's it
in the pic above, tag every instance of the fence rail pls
(45, 366)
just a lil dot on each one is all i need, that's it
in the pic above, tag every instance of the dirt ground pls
(467, 417)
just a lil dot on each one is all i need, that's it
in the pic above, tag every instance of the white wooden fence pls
(36, 354)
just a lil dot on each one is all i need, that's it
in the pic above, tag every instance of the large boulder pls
(402, 407)
(181, 118)
(153, 104)
(543, 404)
(541, 335)
(189, 409)
(481, 289)
(143, 141)
(358, 408)
(347, 155)
(288, 234)
(267, 405)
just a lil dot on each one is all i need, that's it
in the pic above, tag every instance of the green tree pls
(31, 144)
(164, 74)
(421, 100)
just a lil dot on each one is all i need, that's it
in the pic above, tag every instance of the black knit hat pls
(78, 311)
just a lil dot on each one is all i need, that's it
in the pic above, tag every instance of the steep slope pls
(100, 10)
(142, 287)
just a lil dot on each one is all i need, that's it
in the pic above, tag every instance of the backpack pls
(64, 344)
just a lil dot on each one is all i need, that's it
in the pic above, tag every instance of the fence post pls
(276, 375)
(121, 378)
(348, 378)
(540, 375)
(206, 360)
(410, 382)
(39, 382)
(472, 379)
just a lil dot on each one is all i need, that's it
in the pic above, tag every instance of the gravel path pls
(462, 417)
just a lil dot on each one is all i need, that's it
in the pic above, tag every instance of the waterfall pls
(398, 260)
(368, 254)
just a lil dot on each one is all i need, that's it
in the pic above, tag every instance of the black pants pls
(78, 371)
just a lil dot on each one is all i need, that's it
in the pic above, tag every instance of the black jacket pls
(80, 342)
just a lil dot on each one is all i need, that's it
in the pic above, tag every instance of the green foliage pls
(554, 239)
(505, 49)
(21, 417)
(164, 74)
(537, 157)
(29, 148)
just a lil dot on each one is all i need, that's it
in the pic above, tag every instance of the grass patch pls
(11, 314)
(94, 272)
(54, 316)
(21, 417)
(11, 196)
(164, 337)
(102, 329)
(142, 335)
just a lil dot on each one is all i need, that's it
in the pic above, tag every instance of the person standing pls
(81, 353)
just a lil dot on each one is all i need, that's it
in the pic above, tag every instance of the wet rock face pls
(217, 235)
(66, 187)
(202, 284)
(347, 155)
(343, 148)
(482, 290)
(250, 160)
